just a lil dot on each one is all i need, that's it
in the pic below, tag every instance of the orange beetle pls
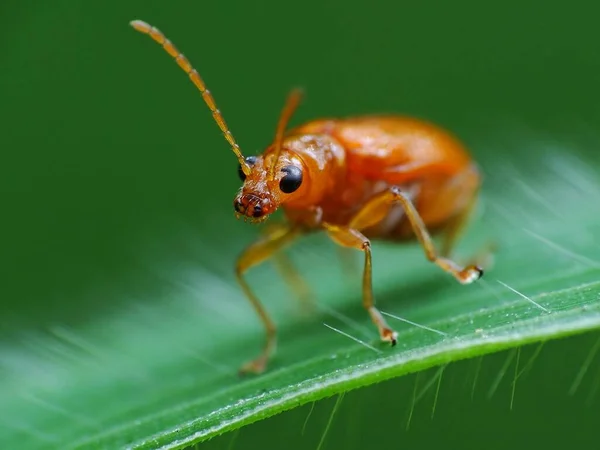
(371, 177)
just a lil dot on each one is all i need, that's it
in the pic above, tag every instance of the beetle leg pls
(347, 261)
(292, 277)
(377, 208)
(283, 264)
(352, 238)
(485, 256)
(254, 254)
(455, 228)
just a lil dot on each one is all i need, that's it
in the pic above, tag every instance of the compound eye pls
(292, 179)
(251, 160)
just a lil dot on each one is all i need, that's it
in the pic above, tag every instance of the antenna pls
(183, 62)
(290, 106)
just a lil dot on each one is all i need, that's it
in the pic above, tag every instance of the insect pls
(357, 179)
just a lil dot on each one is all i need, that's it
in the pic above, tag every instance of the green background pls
(117, 186)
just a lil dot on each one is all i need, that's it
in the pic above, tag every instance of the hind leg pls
(371, 214)
(455, 227)
(454, 230)
(378, 207)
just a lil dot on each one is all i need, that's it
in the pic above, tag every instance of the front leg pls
(350, 237)
(256, 253)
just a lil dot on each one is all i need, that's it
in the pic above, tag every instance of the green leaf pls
(162, 373)
(121, 323)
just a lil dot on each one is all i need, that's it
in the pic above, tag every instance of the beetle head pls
(262, 194)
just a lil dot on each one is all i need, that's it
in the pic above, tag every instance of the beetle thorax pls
(324, 164)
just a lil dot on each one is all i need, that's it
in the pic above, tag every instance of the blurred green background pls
(113, 170)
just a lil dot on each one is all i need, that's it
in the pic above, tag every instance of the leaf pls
(161, 372)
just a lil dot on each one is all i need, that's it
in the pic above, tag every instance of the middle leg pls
(352, 238)
(290, 274)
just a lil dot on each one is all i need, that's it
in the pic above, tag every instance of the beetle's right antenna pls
(183, 62)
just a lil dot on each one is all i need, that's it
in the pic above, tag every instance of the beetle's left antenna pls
(183, 62)
(291, 103)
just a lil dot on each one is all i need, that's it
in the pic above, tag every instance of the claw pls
(388, 335)
(470, 274)
(255, 367)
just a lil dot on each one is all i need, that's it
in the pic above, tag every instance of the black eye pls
(250, 160)
(292, 179)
